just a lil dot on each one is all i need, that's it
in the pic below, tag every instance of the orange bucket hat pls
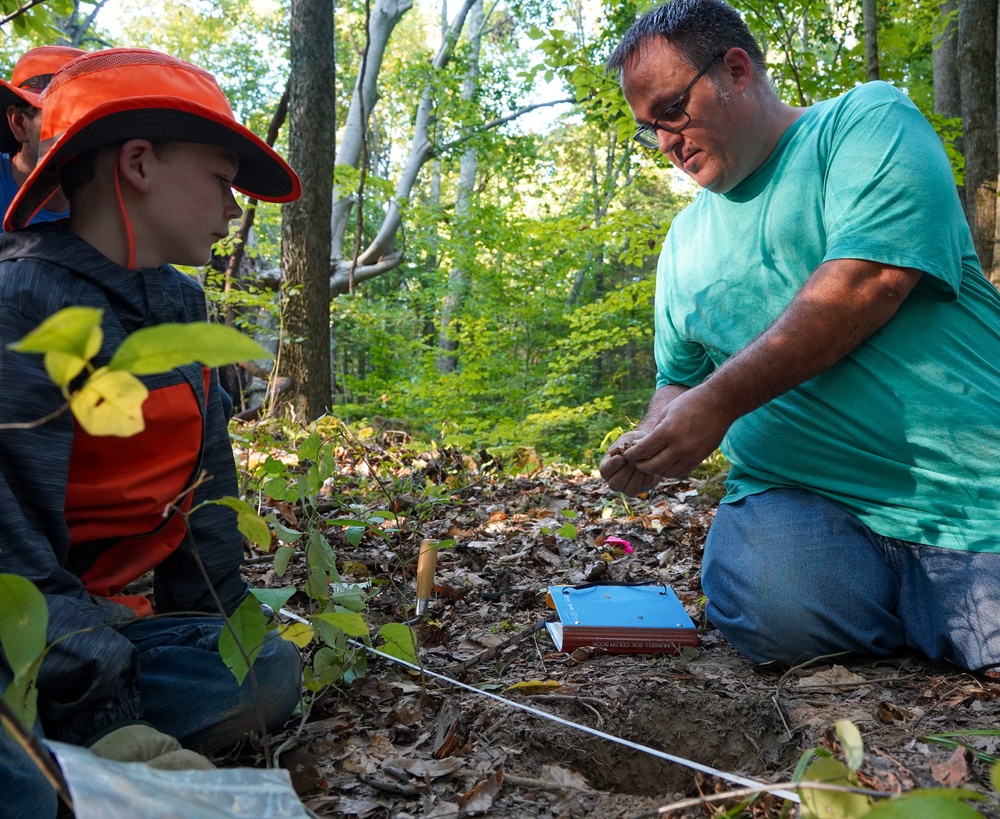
(31, 74)
(109, 97)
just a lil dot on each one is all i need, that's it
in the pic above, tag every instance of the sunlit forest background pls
(473, 261)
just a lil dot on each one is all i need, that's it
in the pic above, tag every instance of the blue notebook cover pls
(620, 619)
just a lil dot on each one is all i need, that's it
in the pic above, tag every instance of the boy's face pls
(190, 203)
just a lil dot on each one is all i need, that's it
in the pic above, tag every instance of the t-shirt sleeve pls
(886, 169)
(678, 360)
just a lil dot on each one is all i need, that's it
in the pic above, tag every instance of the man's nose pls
(667, 140)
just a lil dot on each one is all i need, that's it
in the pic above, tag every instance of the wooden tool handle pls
(426, 563)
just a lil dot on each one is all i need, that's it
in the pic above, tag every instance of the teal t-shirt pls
(904, 432)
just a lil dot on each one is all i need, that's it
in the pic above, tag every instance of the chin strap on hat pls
(129, 232)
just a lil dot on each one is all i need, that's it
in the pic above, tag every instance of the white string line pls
(679, 760)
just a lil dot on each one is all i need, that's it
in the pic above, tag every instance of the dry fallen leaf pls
(480, 798)
(953, 772)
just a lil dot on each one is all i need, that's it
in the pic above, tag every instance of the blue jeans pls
(186, 691)
(791, 576)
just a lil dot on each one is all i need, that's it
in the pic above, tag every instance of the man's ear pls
(135, 160)
(18, 126)
(739, 70)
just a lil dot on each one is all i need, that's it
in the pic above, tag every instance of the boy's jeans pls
(187, 692)
(790, 576)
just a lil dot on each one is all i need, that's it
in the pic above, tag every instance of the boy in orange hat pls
(148, 152)
(21, 100)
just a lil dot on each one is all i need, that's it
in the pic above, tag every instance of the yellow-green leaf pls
(166, 346)
(110, 403)
(349, 622)
(299, 633)
(823, 804)
(534, 686)
(251, 525)
(63, 367)
(73, 330)
(851, 743)
(398, 640)
(995, 777)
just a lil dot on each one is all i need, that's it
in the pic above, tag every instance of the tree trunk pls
(381, 255)
(458, 279)
(385, 15)
(870, 15)
(305, 233)
(947, 90)
(977, 49)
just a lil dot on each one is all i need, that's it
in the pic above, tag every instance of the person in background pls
(21, 99)
(147, 151)
(821, 315)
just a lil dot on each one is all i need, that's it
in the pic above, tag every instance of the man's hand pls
(621, 475)
(143, 743)
(690, 429)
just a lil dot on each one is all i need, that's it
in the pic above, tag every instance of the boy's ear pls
(135, 159)
(16, 121)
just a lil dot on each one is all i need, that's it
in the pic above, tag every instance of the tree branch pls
(495, 123)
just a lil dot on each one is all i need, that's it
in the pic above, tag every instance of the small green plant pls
(830, 788)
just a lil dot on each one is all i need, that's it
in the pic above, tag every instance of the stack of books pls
(620, 619)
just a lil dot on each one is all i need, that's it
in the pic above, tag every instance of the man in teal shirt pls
(822, 316)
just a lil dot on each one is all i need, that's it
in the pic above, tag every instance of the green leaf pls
(24, 618)
(354, 534)
(566, 530)
(75, 331)
(851, 743)
(110, 403)
(282, 557)
(277, 489)
(399, 641)
(349, 595)
(251, 525)
(284, 534)
(822, 804)
(248, 624)
(22, 694)
(349, 622)
(927, 804)
(995, 777)
(317, 582)
(272, 466)
(166, 346)
(309, 448)
(275, 598)
(319, 554)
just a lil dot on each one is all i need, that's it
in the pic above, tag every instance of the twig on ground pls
(741, 793)
(586, 702)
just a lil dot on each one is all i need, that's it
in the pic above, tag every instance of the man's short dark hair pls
(699, 29)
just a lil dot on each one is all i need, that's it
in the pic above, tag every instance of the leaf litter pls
(399, 744)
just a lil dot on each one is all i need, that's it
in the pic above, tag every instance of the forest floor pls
(400, 744)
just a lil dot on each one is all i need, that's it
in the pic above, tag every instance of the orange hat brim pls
(262, 173)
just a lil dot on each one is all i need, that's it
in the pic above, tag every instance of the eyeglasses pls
(673, 119)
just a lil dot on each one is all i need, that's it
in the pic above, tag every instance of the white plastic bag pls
(102, 789)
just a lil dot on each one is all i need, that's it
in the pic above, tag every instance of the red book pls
(620, 619)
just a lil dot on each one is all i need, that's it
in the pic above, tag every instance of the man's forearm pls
(840, 306)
